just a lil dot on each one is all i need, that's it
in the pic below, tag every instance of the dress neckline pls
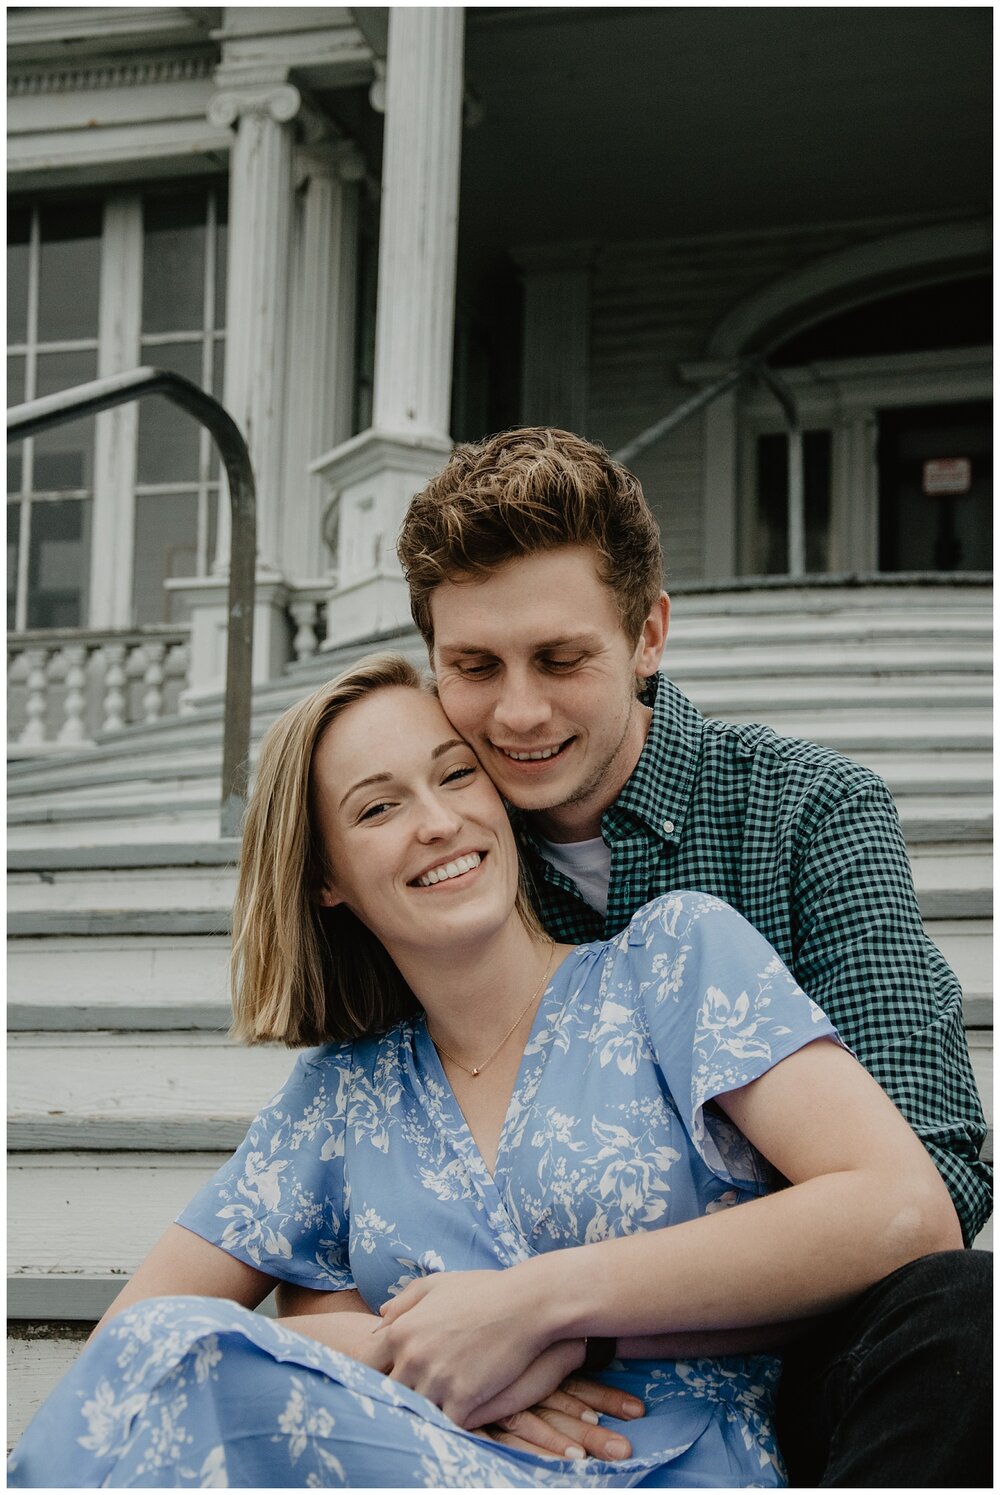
(443, 1103)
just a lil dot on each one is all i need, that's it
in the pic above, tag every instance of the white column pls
(371, 479)
(320, 389)
(260, 244)
(261, 188)
(112, 536)
(419, 223)
(556, 362)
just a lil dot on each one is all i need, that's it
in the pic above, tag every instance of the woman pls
(465, 1193)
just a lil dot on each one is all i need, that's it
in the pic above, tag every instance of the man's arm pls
(861, 952)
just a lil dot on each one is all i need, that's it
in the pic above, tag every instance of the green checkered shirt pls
(807, 846)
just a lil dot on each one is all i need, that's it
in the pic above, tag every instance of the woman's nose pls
(436, 820)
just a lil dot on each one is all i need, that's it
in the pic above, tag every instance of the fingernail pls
(588, 1415)
(617, 1448)
(633, 1406)
(574, 1451)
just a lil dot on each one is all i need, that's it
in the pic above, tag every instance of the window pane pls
(168, 437)
(221, 262)
(69, 287)
(59, 564)
(218, 386)
(173, 280)
(64, 456)
(15, 396)
(13, 545)
(18, 230)
(772, 502)
(166, 544)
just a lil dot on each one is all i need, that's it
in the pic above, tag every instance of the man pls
(534, 568)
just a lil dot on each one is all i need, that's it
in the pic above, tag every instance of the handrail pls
(117, 389)
(746, 368)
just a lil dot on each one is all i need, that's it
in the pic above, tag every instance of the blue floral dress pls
(362, 1173)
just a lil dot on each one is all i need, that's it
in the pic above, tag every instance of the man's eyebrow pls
(384, 778)
(562, 641)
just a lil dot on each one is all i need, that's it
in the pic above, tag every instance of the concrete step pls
(147, 1091)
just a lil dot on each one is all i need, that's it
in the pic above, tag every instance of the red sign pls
(947, 475)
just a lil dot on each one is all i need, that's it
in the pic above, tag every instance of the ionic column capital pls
(280, 102)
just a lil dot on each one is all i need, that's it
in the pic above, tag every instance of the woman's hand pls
(566, 1424)
(471, 1344)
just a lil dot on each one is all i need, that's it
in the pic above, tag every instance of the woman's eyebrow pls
(375, 778)
(383, 778)
(443, 747)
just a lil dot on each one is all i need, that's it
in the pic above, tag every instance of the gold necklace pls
(477, 1069)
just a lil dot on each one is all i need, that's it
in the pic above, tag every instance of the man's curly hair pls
(526, 491)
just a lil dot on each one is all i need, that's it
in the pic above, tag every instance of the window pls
(110, 285)
(771, 528)
(177, 467)
(52, 342)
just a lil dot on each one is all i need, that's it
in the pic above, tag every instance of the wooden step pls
(123, 983)
(157, 1092)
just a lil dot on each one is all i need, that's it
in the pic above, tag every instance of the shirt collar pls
(658, 790)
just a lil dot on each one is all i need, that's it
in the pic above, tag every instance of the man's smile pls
(532, 755)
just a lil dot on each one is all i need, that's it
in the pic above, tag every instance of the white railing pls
(64, 686)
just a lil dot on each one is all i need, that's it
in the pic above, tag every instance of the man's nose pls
(521, 706)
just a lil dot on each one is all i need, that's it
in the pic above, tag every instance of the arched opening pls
(893, 393)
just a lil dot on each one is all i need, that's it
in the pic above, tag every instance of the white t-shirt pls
(588, 863)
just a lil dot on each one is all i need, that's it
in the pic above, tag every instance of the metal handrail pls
(746, 368)
(118, 389)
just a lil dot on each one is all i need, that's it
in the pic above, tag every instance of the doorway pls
(935, 488)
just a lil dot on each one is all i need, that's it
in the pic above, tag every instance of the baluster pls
(74, 704)
(305, 641)
(114, 687)
(152, 701)
(33, 731)
(176, 672)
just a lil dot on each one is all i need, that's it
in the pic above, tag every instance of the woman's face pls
(418, 839)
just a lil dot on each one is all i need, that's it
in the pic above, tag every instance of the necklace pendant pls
(474, 1073)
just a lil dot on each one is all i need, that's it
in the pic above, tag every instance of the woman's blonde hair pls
(302, 973)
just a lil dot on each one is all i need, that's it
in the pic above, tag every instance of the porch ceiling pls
(649, 122)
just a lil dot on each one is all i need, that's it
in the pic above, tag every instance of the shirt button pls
(668, 826)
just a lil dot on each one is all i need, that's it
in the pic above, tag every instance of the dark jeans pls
(896, 1390)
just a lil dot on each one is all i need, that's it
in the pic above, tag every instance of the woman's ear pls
(328, 896)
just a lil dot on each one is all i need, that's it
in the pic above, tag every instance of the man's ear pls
(649, 649)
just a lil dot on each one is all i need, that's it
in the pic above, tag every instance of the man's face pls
(535, 670)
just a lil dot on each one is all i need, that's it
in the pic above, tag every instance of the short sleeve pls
(279, 1203)
(722, 1009)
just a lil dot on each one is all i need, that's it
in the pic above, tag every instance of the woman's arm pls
(182, 1262)
(865, 1198)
